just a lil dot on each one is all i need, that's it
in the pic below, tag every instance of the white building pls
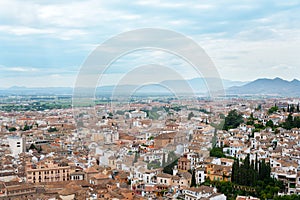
(203, 192)
(138, 114)
(17, 145)
(110, 137)
(200, 175)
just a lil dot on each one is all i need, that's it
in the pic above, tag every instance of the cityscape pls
(153, 100)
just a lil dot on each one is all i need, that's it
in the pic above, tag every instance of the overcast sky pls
(44, 43)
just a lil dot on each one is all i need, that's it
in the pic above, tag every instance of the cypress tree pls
(193, 181)
(246, 173)
(256, 164)
(238, 173)
(235, 171)
(247, 161)
(292, 108)
(252, 174)
(288, 122)
(163, 160)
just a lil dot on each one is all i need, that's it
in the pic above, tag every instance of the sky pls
(45, 43)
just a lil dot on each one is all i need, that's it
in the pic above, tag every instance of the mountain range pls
(277, 87)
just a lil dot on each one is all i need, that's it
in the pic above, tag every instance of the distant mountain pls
(198, 85)
(264, 86)
(16, 90)
(276, 87)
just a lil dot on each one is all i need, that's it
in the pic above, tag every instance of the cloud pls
(283, 67)
(22, 30)
(18, 69)
(245, 39)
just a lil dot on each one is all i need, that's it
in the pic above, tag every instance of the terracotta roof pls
(100, 176)
(91, 170)
(163, 175)
(202, 188)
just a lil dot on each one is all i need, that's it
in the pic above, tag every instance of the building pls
(200, 175)
(17, 191)
(203, 192)
(218, 172)
(110, 136)
(246, 198)
(48, 171)
(17, 145)
(77, 176)
(184, 164)
(164, 179)
(137, 114)
(170, 138)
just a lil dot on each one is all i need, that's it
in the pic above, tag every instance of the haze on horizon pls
(45, 43)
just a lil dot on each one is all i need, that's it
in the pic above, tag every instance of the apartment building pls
(48, 171)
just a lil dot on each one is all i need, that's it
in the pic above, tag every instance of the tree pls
(235, 171)
(193, 181)
(256, 163)
(163, 163)
(273, 109)
(288, 124)
(52, 129)
(251, 120)
(292, 108)
(258, 107)
(264, 170)
(270, 124)
(12, 129)
(26, 127)
(233, 120)
(32, 147)
(247, 176)
(169, 168)
(291, 122)
(296, 122)
(217, 152)
(191, 115)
